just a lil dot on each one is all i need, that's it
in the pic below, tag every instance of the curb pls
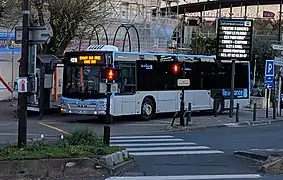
(267, 163)
(253, 123)
(119, 168)
(188, 128)
(177, 128)
(251, 155)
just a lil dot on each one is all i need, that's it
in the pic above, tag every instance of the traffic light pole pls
(182, 98)
(23, 72)
(106, 137)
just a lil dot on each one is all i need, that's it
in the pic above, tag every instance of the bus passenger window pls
(126, 81)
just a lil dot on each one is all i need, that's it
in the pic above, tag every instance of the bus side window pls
(127, 82)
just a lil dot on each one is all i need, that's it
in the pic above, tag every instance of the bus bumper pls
(82, 112)
(94, 109)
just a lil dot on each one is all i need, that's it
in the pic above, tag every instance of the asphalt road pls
(219, 164)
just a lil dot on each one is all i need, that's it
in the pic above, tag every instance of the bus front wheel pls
(147, 109)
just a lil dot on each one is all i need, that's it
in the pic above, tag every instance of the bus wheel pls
(220, 105)
(147, 109)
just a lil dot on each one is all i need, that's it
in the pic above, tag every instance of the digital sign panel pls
(234, 39)
(86, 59)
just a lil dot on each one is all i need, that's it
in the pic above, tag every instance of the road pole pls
(106, 137)
(23, 72)
(267, 102)
(232, 88)
(182, 107)
(274, 100)
(279, 93)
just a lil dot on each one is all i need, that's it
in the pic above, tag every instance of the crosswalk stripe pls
(140, 137)
(175, 153)
(168, 148)
(154, 144)
(160, 145)
(189, 177)
(143, 140)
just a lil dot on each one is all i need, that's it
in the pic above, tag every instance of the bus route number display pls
(234, 39)
(86, 59)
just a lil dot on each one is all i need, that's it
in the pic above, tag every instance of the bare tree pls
(10, 13)
(67, 18)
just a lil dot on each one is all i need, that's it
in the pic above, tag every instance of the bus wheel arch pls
(148, 108)
(220, 105)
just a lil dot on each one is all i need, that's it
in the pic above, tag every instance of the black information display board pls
(234, 39)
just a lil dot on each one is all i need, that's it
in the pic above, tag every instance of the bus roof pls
(133, 56)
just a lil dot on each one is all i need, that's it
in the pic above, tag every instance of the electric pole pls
(23, 73)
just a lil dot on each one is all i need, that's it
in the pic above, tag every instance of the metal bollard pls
(237, 112)
(106, 137)
(189, 114)
(274, 110)
(215, 107)
(254, 112)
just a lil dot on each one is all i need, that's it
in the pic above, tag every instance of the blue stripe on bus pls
(76, 99)
(3, 36)
(164, 54)
(88, 100)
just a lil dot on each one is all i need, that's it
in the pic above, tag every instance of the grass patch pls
(77, 144)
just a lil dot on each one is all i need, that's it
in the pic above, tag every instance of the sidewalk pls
(223, 120)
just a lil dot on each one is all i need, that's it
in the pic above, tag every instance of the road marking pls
(143, 140)
(53, 127)
(162, 153)
(160, 145)
(168, 148)
(155, 144)
(140, 137)
(189, 177)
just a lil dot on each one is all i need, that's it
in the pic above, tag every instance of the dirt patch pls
(51, 169)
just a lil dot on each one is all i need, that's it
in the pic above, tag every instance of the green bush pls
(77, 144)
(84, 138)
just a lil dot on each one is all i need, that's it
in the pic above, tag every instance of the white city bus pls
(147, 82)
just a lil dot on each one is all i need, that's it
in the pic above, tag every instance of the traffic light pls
(176, 68)
(110, 73)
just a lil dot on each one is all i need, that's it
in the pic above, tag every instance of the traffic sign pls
(22, 84)
(38, 34)
(234, 39)
(277, 47)
(183, 82)
(269, 68)
(269, 86)
(269, 74)
(278, 61)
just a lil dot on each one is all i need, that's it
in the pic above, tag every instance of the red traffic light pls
(176, 68)
(110, 74)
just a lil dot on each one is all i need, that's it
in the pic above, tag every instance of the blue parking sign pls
(269, 74)
(269, 68)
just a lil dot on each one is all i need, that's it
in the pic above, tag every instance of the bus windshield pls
(82, 82)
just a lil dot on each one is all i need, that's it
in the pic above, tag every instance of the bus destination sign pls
(234, 39)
